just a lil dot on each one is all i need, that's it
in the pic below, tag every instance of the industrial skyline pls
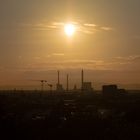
(74, 78)
(68, 87)
(70, 69)
(39, 37)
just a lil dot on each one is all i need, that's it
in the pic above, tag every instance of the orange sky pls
(33, 42)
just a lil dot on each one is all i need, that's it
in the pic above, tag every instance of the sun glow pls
(69, 29)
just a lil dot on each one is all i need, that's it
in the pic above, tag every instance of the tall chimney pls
(67, 82)
(82, 79)
(58, 78)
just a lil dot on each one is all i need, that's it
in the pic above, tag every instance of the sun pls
(69, 29)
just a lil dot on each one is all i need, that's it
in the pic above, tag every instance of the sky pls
(106, 44)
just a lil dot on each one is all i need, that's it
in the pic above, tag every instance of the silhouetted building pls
(109, 89)
(112, 90)
(59, 86)
(87, 86)
(75, 88)
(122, 91)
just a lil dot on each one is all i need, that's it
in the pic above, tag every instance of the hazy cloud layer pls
(87, 28)
(129, 58)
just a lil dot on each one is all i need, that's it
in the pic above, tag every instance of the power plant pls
(85, 86)
(59, 86)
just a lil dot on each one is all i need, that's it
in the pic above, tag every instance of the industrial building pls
(59, 86)
(85, 86)
(109, 89)
(112, 90)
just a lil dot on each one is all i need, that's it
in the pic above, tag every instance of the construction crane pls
(50, 85)
(42, 83)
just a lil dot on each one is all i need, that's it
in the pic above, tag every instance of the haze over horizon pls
(106, 43)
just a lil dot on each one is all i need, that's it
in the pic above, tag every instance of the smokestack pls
(67, 82)
(58, 78)
(82, 79)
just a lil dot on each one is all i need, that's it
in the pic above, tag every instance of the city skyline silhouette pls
(70, 69)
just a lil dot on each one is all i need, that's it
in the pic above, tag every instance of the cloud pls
(58, 23)
(106, 28)
(93, 64)
(51, 26)
(86, 31)
(117, 64)
(58, 54)
(86, 28)
(131, 62)
(55, 54)
(129, 58)
(90, 25)
(72, 64)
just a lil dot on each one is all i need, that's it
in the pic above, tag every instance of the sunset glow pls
(39, 37)
(69, 29)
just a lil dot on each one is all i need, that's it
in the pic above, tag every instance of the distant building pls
(75, 88)
(122, 91)
(112, 90)
(59, 87)
(109, 89)
(87, 86)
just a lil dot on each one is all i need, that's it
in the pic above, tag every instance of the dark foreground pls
(36, 116)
